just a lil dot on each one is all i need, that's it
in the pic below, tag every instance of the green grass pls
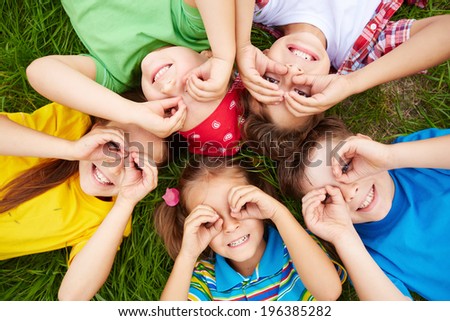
(31, 29)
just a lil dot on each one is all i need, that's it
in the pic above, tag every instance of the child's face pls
(369, 199)
(301, 49)
(241, 241)
(98, 178)
(302, 53)
(164, 71)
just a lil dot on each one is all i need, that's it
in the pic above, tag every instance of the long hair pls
(169, 221)
(36, 181)
(292, 168)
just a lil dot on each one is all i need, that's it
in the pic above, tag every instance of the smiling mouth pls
(100, 177)
(302, 53)
(161, 72)
(368, 200)
(239, 241)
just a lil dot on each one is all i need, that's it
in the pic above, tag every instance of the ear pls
(206, 53)
(363, 136)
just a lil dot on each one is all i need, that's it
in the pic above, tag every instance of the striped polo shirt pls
(274, 278)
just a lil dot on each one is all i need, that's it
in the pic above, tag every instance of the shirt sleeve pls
(423, 134)
(199, 290)
(54, 119)
(105, 78)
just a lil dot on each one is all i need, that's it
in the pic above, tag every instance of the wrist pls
(125, 203)
(186, 258)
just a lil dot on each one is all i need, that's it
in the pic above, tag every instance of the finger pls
(167, 103)
(175, 121)
(239, 196)
(313, 200)
(207, 93)
(307, 103)
(150, 171)
(262, 86)
(335, 194)
(216, 228)
(314, 193)
(276, 67)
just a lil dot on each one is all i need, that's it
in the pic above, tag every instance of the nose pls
(294, 70)
(349, 191)
(172, 88)
(230, 224)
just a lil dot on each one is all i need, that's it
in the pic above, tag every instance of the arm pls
(252, 63)
(367, 157)
(331, 222)
(91, 266)
(200, 227)
(428, 46)
(315, 269)
(210, 81)
(18, 140)
(69, 80)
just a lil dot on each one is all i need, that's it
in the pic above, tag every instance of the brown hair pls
(169, 221)
(36, 181)
(266, 138)
(291, 169)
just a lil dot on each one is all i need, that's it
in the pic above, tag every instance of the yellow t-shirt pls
(64, 216)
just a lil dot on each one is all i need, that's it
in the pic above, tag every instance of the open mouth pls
(161, 71)
(369, 199)
(100, 177)
(302, 53)
(239, 241)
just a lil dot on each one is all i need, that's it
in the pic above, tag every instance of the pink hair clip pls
(171, 197)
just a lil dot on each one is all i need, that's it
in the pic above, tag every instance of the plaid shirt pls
(365, 43)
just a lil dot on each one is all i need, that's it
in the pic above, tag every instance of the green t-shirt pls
(119, 34)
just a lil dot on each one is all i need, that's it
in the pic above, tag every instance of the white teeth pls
(239, 241)
(368, 200)
(302, 54)
(101, 178)
(161, 72)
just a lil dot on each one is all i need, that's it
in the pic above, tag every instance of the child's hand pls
(200, 227)
(326, 213)
(209, 81)
(141, 177)
(359, 157)
(253, 64)
(162, 117)
(248, 201)
(101, 143)
(326, 91)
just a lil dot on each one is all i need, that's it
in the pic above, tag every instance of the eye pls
(113, 146)
(301, 92)
(271, 80)
(346, 167)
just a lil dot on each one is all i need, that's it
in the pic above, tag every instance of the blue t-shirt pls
(412, 243)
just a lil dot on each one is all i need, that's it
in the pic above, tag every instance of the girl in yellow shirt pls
(67, 183)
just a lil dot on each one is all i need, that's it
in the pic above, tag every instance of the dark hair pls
(291, 169)
(267, 138)
(169, 221)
